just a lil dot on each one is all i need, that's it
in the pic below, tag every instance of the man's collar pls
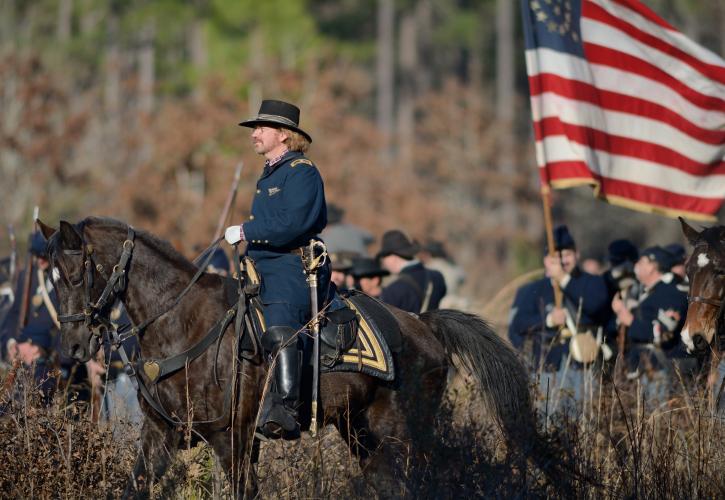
(648, 289)
(410, 263)
(276, 159)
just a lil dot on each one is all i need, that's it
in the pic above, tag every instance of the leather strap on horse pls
(160, 369)
(156, 370)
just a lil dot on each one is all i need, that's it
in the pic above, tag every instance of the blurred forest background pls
(418, 110)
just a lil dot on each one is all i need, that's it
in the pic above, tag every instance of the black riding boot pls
(279, 412)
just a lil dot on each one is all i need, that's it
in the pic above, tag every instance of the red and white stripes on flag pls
(622, 101)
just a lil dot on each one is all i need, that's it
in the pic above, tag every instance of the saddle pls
(361, 337)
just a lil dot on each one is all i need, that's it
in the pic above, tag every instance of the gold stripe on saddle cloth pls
(371, 353)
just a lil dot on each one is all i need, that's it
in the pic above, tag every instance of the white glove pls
(233, 234)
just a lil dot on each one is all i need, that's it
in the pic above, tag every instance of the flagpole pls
(546, 201)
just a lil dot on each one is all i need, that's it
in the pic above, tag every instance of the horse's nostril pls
(700, 342)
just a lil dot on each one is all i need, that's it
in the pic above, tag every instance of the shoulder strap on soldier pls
(303, 161)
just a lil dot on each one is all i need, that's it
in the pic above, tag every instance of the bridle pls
(718, 303)
(698, 299)
(96, 313)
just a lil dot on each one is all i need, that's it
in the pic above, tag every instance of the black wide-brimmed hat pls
(395, 242)
(367, 267)
(277, 114)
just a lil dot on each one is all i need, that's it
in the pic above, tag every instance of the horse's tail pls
(503, 379)
(494, 364)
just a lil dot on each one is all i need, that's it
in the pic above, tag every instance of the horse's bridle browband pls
(115, 284)
(697, 299)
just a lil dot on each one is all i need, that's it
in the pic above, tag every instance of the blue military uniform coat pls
(650, 315)
(288, 210)
(408, 291)
(40, 328)
(535, 300)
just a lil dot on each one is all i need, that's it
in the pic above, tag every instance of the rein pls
(697, 299)
(155, 370)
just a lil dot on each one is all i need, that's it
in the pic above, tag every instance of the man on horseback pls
(288, 211)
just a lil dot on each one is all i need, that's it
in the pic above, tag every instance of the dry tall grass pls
(615, 443)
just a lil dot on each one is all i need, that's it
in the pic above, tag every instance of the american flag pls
(623, 102)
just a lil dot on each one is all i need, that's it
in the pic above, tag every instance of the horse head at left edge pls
(86, 284)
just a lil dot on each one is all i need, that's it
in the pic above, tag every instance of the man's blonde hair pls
(296, 141)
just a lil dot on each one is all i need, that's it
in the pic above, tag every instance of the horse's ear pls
(690, 233)
(70, 236)
(46, 230)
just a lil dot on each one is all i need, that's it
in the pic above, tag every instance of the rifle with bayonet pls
(13, 268)
(27, 280)
(229, 203)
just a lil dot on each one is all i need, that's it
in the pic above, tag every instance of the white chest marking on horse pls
(702, 260)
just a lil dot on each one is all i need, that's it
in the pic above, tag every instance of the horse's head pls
(92, 275)
(706, 272)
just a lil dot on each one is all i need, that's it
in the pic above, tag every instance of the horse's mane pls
(158, 245)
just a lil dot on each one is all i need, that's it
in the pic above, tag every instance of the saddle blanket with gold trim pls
(378, 337)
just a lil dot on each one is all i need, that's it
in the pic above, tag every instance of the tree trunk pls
(406, 103)
(474, 99)
(147, 69)
(505, 101)
(385, 74)
(256, 63)
(424, 38)
(7, 25)
(198, 49)
(146, 84)
(65, 13)
(112, 87)
(722, 30)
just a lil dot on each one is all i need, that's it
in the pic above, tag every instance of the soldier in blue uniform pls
(416, 289)
(653, 327)
(534, 315)
(288, 211)
(34, 343)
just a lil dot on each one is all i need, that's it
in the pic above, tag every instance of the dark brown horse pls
(705, 322)
(378, 419)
